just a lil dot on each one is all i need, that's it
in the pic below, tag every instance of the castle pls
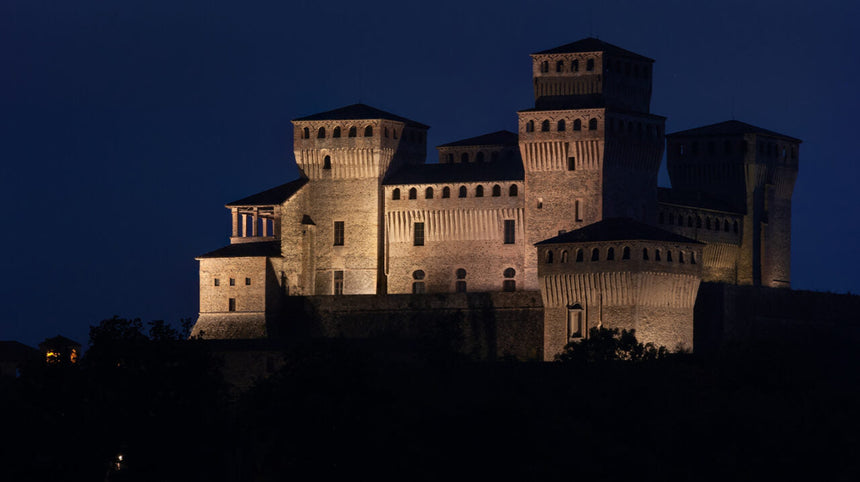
(566, 213)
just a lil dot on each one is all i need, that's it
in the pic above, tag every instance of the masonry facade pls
(369, 215)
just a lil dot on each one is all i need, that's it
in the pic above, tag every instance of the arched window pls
(460, 284)
(708, 223)
(509, 284)
(530, 126)
(689, 221)
(497, 190)
(668, 256)
(306, 133)
(625, 254)
(479, 157)
(563, 256)
(394, 133)
(680, 256)
(656, 255)
(645, 254)
(461, 273)
(352, 132)
(735, 227)
(418, 274)
(450, 158)
(336, 132)
(561, 126)
(462, 191)
(692, 258)
(464, 157)
(559, 66)
(698, 221)
(418, 283)
(385, 131)
(479, 191)
(321, 133)
(512, 191)
(510, 273)
(327, 162)
(579, 256)
(589, 65)
(592, 124)
(549, 256)
(726, 225)
(595, 254)
(544, 126)
(680, 220)
(574, 66)
(577, 125)
(610, 254)
(395, 194)
(368, 131)
(544, 66)
(446, 192)
(428, 193)
(413, 193)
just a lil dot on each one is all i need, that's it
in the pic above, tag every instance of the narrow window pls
(510, 283)
(625, 254)
(579, 256)
(336, 132)
(592, 124)
(247, 281)
(574, 322)
(708, 223)
(689, 221)
(561, 126)
(698, 221)
(510, 231)
(540, 203)
(564, 256)
(217, 282)
(559, 66)
(574, 66)
(544, 67)
(446, 192)
(479, 157)
(479, 191)
(418, 283)
(368, 131)
(327, 162)
(571, 163)
(460, 286)
(726, 225)
(735, 227)
(668, 256)
(462, 191)
(645, 254)
(352, 131)
(530, 126)
(428, 193)
(577, 125)
(589, 65)
(595, 254)
(680, 256)
(549, 256)
(395, 195)
(231, 304)
(512, 191)
(338, 233)
(450, 158)
(338, 283)
(497, 190)
(385, 132)
(656, 255)
(394, 133)
(692, 258)
(232, 281)
(544, 126)
(306, 133)
(578, 210)
(418, 235)
(413, 193)
(321, 133)
(464, 157)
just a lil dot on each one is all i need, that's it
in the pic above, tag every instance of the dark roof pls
(359, 111)
(271, 197)
(59, 340)
(511, 170)
(697, 199)
(729, 128)
(617, 229)
(269, 249)
(499, 138)
(15, 351)
(592, 44)
(588, 101)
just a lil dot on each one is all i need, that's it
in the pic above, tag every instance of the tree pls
(608, 344)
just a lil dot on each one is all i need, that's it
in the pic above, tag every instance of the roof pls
(498, 138)
(697, 199)
(585, 101)
(457, 172)
(268, 249)
(359, 111)
(617, 229)
(592, 44)
(15, 351)
(729, 128)
(273, 196)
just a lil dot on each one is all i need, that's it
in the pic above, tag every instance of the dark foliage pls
(608, 345)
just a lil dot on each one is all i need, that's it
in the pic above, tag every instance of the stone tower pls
(590, 147)
(753, 170)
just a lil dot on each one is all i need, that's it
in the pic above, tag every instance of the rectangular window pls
(578, 210)
(418, 287)
(247, 281)
(510, 231)
(231, 304)
(418, 239)
(461, 286)
(571, 163)
(338, 233)
(509, 285)
(574, 323)
(217, 282)
(232, 281)
(338, 283)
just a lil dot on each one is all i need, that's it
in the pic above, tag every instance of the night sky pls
(126, 126)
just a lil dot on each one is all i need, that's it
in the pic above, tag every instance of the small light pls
(119, 457)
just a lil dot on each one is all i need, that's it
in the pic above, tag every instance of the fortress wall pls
(249, 298)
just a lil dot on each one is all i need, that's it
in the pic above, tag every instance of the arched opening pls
(479, 191)
(708, 223)
(479, 157)
(625, 254)
(327, 162)
(368, 131)
(668, 256)
(336, 132)
(464, 157)
(413, 193)
(735, 227)
(577, 125)
(321, 133)
(645, 254)
(549, 256)
(394, 133)
(450, 158)
(574, 66)
(446, 192)
(561, 126)
(579, 256)
(671, 218)
(494, 156)
(418, 283)
(595, 254)
(559, 66)
(698, 221)
(460, 285)
(692, 258)
(352, 132)
(564, 256)
(428, 193)
(657, 255)
(610, 254)
(689, 221)
(726, 225)
(395, 194)
(497, 190)
(462, 191)
(512, 191)
(544, 66)
(589, 65)
(530, 126)
(306, 133)
(544, 126)
(385, 131)
(592, 124)
(680, 256)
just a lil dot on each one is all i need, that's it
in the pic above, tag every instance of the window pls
(735, 227)
(510, 284)
(512, 191)
(217, 282)
(559, 66)
(338, 233)
(689, 221)
(368, 131)
(306, 133)
(574, 66)
(726, 225)
(479, 157)
(446, 192)
(592, 124)
(579, 256)
(577, 125)
(394, 133)
(497, 190)
(548, 256)
(657, 255)
(462, 191)
(561, 126)
(595, 254)
(336, 132)
(321, 133)
(564, 256)
(327, 162)
(680, 256)
(464, 157)
(418, 234)
(232, 281)
(479, 191)
(450, 158)
(395, 195)
(625, 254)
(645, 254)
(247, 281)
(698, 221)
(413, 193)
(668, 256)
(692, 258)
(418, 283)
(530, 126)
(589, 65)
(574, 321)
(571, 163)
(540, 203)
(578, 210)
(661, 218)
(428, 193)
(610, 254)
(231, 304)
(544, 66)
(385, 132)
(460, 286)
(510, 231)
(544, 126)
(337, 284)
(352, 131)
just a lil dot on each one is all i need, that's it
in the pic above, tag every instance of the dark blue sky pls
(126, 126)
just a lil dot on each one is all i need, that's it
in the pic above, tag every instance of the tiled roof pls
(697, 199)
(592, 44)
(729, 128)
(511, 170)
(272, 197)
(499, 138)
(617, 229)
(359, 111)
(268, 249)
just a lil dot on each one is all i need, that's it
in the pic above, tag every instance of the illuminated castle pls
(564, 215)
